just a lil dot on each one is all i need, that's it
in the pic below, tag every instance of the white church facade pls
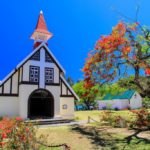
(37, 88)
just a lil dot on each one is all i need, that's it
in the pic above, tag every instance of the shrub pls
(107, 118)
(142, 119)
(16, 134)
(120, 122)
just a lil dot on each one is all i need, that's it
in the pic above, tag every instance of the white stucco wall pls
(25, 91)
(55, 91)
(69, 93)
(124, 103)
(7, 87)
(69, 112)
(9, 106)
(136, 101)
(15, 83)
(64, 89)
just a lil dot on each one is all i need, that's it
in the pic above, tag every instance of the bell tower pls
(41, 33)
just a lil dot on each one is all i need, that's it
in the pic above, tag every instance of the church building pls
(37, 87)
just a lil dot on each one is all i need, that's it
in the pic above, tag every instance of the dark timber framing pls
(52, 59)
(18, 79)
(67, 89)
(11, 85)
(22, 74)
(11, 81)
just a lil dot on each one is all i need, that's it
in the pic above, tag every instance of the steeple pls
(41, 33)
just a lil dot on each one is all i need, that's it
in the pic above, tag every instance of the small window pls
(47, 58)
(36, 56)
(49, 75)
(65, 106)
(34, 74)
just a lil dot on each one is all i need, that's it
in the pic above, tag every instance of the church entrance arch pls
(40, 104)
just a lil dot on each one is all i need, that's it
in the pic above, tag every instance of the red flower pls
(4, 135)
(18, 118)
(27, 129)
(2, 144)
(147, 71)
(1, 126)
(137, 23)
(8, 131)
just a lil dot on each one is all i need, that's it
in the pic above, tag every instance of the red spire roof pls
(41, 27)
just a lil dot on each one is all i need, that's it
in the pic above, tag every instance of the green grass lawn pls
(94, 136)
(89, 137)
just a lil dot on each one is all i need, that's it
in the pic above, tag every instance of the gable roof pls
(70, 88)
(29, 56)
(125, 95)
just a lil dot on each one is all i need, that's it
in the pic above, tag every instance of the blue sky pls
(76, 25)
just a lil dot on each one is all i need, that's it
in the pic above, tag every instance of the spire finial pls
(41, 33)
(41, 12)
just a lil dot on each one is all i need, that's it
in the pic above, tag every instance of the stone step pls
(49, 121)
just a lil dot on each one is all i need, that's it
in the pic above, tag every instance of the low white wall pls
(120, 104)
(67, 113)
(124, 104)
(9, 106)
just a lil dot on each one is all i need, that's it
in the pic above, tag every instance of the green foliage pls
(146, 102)
(79, 88)
(128, 83)
(81, 91)
(112, 89)
(70, 81)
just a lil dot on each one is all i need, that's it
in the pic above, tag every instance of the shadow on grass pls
(139, 139)
(105, 140)
(98, 138)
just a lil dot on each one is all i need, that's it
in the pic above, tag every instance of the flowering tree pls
(87, 96)
(124, 52)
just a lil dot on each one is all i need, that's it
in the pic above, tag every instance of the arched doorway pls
(41, 104)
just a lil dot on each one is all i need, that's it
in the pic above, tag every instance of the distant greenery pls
(70, 81)
(146, 102)
(128, 83)
(114, 88)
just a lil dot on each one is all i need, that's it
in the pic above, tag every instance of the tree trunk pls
(144, 92)
(87, 103)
